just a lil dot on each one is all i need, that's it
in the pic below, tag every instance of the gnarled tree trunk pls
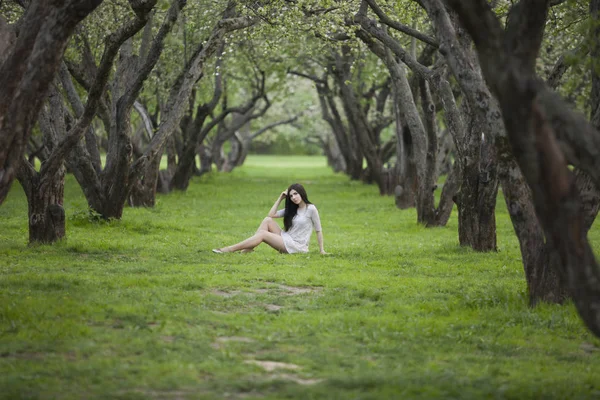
(423, 131)
(195, 131)
(476, 198)
(45, 204)
(143, 190)
(358, 122)
(29, 66)
(406, 182)
(346, 142)
(532, 117)
(539, 259)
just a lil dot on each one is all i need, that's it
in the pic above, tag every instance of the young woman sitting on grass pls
(300, 216)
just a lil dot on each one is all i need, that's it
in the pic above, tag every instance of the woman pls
(300, 217)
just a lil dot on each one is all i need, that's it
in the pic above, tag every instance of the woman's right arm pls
(273, 210)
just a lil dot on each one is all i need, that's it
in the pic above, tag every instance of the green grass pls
(141, 309)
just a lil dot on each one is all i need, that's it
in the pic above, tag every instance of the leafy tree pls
(536, 120)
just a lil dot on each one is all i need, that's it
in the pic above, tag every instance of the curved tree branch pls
(273, 125)
(562, 64)
(371, 27)
(525, 30)
(180, 94)
(113, 43)
(134, 87)
(146, 120)
(383, 18)
(307, 76)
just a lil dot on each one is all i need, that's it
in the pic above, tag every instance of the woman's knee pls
(261, 235)
(264, 224)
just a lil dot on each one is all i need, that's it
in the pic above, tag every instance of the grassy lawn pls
(142, 309)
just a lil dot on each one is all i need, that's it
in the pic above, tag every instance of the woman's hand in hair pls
(283, 195)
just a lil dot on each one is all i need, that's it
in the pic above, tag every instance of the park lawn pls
(141, 308)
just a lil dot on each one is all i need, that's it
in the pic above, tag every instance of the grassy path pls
(141, 309)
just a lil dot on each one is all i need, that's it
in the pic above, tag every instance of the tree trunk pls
(192, 136)
(358, 122)
(590, 197)
(163, 183)
(28, 69)
(426, 201)
(83, 169)
(185, 170)
(143, 191)
(115, 179)
(539, 259)
(45, 189)
(478, 181)
(217, 153)
(531, 123)
(233, 157)
(406, 183)
(244, 149)
(345, 142)
(444, 162)
(204, 152)
(427, 154)
(120, 174)
(444, 209)
(476, 198)
(240, 117)
(195, 132)
(406, 189)
(45, 204)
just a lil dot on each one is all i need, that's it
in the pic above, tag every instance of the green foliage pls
(11, 11)
(285, 144)
(140, 308)
(567, 30)
(83, 217)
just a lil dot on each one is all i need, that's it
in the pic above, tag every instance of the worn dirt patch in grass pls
(162, 394)
(589, 347)
(246, 395)
(293, 378)
(224, 293)
(296, 290)
(273, 308)
(280, 289)
(226, 339)
(271, 366)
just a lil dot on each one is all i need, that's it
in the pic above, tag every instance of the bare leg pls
(269, 225)
(272, 239)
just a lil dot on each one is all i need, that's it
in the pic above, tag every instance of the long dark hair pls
(291, 209)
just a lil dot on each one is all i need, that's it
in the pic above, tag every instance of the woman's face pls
(295, 197)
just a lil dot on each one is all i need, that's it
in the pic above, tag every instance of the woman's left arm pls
(316, 220)
(320, 240)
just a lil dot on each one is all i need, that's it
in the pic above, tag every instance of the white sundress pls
(297, 238)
